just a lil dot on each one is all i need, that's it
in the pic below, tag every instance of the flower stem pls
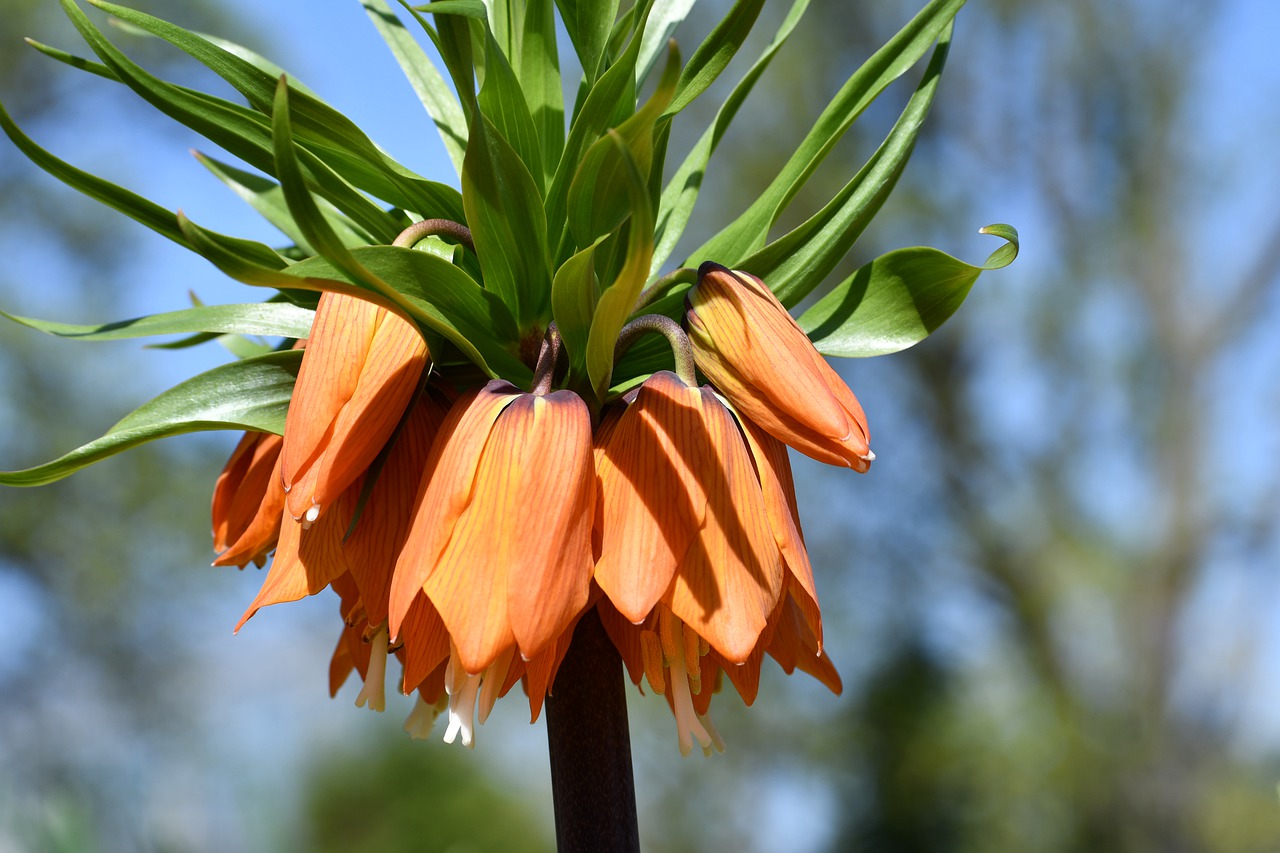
(435, 228)
(590, 745)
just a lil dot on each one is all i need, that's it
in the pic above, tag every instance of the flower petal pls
(651, 492)
(306, 561)
(728, 583)
(445, 491)
(372, 548)
(361, 366)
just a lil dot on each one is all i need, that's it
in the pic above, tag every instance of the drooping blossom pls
(683, 519)
(248, 501)
(361, 367)
(501, 536)
(755, 353)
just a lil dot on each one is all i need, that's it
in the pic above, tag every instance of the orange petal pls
(445, 491)
(750, 348)
(652, 493)
(360, 369)
(426, 643)
(260, 534)
(778, 487)
(372, 548)
(794, 646)
(306, 561)
(550, 477)
(729, 582)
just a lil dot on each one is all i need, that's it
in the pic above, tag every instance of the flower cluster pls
(467, 530)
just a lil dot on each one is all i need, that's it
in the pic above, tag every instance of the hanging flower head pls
(482, 443)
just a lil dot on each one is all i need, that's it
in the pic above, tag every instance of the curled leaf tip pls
(1006, 254)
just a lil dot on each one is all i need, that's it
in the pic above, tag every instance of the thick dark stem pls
(591, 777)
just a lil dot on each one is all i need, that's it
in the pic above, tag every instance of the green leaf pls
(271, 319)
(329, 134)
(898, 299)
(427, 82)
(663, 20)
(252, 394)
(796, 263)
(150, 214)
(606, 98)
(588, 23)
(463, 8)
(502, 102)
(714, 54)
(748, 232)
(575, 292)
(539, 72)
(266, 197)
(598, 201)
(242, 132)
(508, 225)
(77, 62)
(617, 300)
(681, 193)
(419, 286)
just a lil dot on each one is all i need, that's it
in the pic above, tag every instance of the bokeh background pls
(1054, 599)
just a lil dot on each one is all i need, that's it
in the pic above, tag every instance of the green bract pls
(571, 219)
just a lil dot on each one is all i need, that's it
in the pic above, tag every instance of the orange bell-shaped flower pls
(501, 537)
(248, 502)
(360, 369)
(751, 349)
(683, 520)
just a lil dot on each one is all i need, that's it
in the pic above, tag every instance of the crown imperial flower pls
(501, 537)
(752, 350)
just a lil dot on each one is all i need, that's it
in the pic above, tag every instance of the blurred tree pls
(393, 796)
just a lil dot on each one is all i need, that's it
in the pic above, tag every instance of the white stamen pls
(309, 517)
(494, 677)
(717, 742)
(374, 691)
(687, 725)
(870, 457)
(421, 719)
(462, 709)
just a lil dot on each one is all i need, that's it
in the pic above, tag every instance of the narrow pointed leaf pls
(270, 319)
(539, 73)
(150, 214)
(714, 53)
(898, 299)
(796, 263)
(748, 232)
(266, 197)
(588, 23)
(663, 20)
(502, 102)
(598, 200)
(589, 124)
(681, 193)
(615, 302)
(508, 225)
(328, 133)
(243, 132)
(574, 295)
(428, 84)
(252, 394)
